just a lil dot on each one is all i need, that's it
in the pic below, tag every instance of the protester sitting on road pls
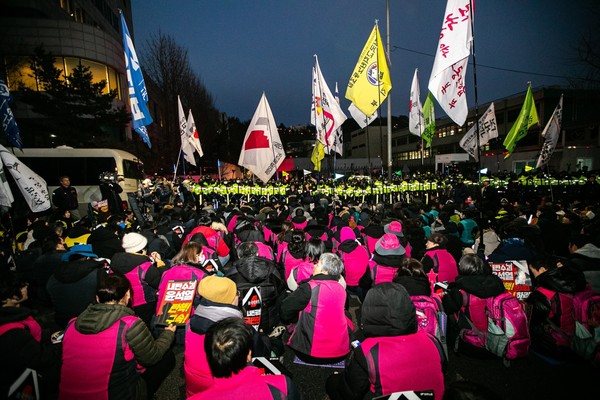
(303, 271)
(321, 334)
(394, 357)
(187, 266)
(108, 352)
(141, 271)
(220, 300)
(228, 348)
(22, 344)
(385, 262)
(73, 285)
(475, 278)
(438, 263)
(552, 321)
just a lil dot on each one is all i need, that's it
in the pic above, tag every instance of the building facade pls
(577, 149)
(86, 32)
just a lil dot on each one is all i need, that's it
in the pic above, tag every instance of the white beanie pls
(133, 242)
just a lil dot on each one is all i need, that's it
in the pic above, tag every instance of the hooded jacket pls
(587, 260)
(388, 321)
(104, 242)
(106, 346)
(73, 287)
(262, 273)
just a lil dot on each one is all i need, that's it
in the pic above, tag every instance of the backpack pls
(507, 333)
(586, 340)
(431, 317)
(562, 329)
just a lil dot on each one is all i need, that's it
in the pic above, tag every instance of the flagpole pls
(476, 97)
(389, 100)
(379, 98)
(481, 243)
(177, 164)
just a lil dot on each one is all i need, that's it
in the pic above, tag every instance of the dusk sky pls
(242, 48)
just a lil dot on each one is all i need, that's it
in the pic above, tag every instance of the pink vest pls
(141, 292)
(303, 271)
(91, 364)
(264, 251)
(248, 383)
(29, 324)
(444, 264)
(418, 369)
(355, 264)
(381, 273)
(322, 328)
(198, 377)
(289, 262)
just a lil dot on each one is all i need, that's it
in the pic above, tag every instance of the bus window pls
(132, 170)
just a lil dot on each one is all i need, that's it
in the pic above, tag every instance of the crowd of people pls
(277, 274)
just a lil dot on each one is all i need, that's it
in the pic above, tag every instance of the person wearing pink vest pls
(141, 271)
(321, 334)
(394, 356)
(228, 348)
(355, 257)
(187, 266)
(437, 262)
(385, 262)
(109, 353)
(21, 343)
(295, 253)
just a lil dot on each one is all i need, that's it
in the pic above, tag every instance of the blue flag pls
(9, 124)
(138, 96)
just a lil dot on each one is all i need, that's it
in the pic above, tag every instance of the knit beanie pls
(133, 242)
(217, 289)
(389, 245)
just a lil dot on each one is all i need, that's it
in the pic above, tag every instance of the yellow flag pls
(528, 168)
(370, 81)
(317, 155)
(284, 174)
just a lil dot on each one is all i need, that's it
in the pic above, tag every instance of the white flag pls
(328, 114)
(262, 151)
(31, 185)
(6, 196)
(447, 81)
(488, 129)
(550, 134)
(338, 141)
(186, 148)
(306, 172)
(415, 108)
(192, 134)
(361, 119)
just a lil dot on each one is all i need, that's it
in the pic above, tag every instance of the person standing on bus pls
(64, 198)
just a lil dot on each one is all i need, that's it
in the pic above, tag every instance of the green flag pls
(317, 155)
(428, 120)
(527, 117)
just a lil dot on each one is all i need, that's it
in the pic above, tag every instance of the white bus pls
(84, 167)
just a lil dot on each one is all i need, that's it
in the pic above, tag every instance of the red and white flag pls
(327, 111)
(192, 134)
(262, 151)
(447, 80)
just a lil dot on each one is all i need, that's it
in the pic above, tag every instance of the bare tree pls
(167, 64)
